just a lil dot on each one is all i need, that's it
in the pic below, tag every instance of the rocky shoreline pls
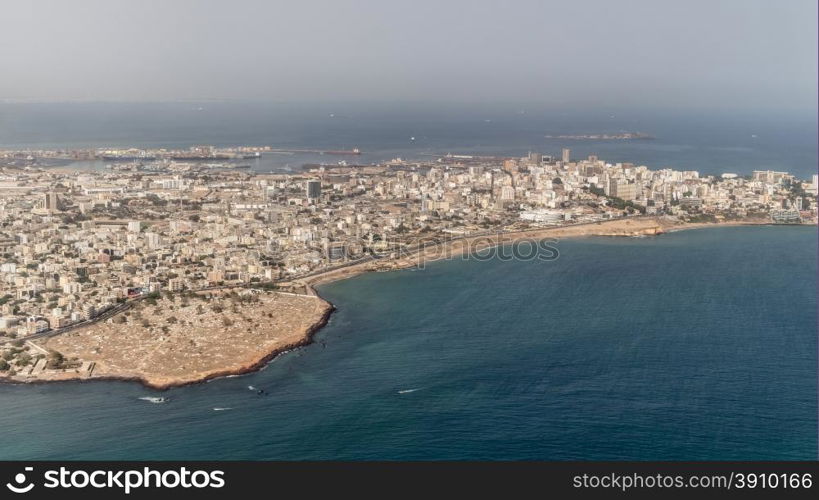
(233, 372)
(620, 228)
(253, 346)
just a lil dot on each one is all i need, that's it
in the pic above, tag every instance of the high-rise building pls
(770, 176)
(566, 155)
(426, 204)
(535, 158)
(51, 202)
(313, 189)
(622, 189)
(814, 186)
(335, 251)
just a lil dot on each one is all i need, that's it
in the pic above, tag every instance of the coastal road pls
(121, 307)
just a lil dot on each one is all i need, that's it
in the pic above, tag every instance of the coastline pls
(644, 226)
(253, 367)
(251, 335)
(635, 227)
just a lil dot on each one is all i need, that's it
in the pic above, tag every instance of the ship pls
(194, 157)
(355, 151)
(127, 158)
(624, 136)
(226, 166)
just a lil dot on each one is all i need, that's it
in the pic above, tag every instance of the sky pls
(759, 54)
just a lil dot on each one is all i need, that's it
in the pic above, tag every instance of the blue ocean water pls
(700, 344)
(707, 141)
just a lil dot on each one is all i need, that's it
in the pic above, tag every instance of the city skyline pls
(83, 248)
(450, 231)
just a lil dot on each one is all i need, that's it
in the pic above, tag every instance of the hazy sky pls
(726, 53)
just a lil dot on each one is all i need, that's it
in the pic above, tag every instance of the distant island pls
(623, 136)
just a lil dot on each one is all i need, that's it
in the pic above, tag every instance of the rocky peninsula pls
(180, 338)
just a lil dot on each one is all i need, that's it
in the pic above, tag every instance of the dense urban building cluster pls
(75, 244)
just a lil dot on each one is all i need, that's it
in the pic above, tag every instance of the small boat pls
(407, 391)
(155, 400)
(221, 409)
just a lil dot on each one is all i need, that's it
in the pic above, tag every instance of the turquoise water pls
(693, 345)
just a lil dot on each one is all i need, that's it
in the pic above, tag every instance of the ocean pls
(708, 141)
(694, 345)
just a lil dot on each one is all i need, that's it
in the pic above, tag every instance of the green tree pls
(23, 359)
(55, 360)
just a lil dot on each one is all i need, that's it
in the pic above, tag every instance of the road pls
(118, 308)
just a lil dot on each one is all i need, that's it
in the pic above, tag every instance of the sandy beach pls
(630, 227)
(194, 337)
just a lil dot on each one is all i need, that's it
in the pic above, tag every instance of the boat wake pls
(222, 409)
(407, 391)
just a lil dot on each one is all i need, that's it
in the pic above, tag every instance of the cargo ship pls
(354, 151)
(343, 152)
(186, 157)
(624, 136)
(127, 158)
